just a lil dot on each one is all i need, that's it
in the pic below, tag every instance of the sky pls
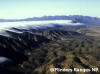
(19, 9)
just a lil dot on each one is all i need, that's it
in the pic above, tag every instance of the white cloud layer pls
(3, 59)
(35, 24)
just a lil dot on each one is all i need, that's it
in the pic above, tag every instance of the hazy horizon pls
(20, 9)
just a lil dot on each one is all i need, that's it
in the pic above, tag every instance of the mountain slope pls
(38, 51)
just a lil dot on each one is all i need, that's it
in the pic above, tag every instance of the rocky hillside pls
(36, 52)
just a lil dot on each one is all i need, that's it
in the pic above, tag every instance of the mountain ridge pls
(74, 18)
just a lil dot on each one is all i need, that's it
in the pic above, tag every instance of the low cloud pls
(35, 24)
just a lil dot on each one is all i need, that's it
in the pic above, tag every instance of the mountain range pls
(74, 18)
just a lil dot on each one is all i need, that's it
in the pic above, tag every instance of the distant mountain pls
(74, 18)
